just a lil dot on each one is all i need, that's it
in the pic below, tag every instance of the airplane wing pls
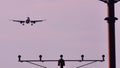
(37, 21)
(18, 21)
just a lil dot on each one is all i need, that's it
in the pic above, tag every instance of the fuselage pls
(28, 20)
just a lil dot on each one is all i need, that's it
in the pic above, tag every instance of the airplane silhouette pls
(28, 21)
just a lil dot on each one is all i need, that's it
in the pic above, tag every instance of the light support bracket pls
(61, 61)
(106, 1)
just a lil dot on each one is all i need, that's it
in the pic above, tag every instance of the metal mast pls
(111, 31)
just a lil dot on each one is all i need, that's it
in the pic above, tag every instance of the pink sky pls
(73, 27)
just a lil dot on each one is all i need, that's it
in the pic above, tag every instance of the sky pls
(72, 28)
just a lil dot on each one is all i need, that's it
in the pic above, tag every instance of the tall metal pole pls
(111, 32)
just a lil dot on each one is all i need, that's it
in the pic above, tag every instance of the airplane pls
(28, 21)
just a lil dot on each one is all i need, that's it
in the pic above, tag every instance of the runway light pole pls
(111, 31)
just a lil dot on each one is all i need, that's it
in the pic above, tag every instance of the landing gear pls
(31, 24)
(23, 24)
